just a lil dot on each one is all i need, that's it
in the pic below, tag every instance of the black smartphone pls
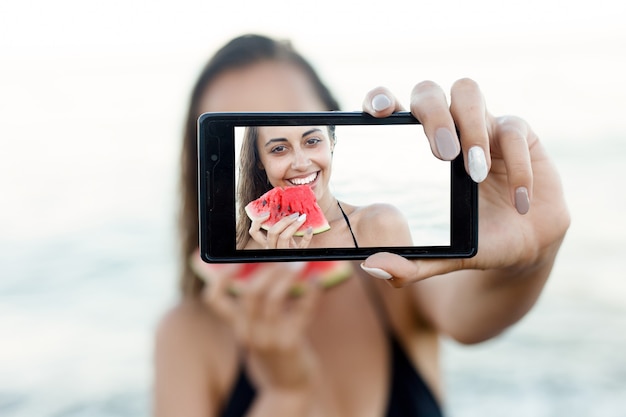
(374, 160)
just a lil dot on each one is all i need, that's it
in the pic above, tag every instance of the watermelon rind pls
(336, 273)
(328, 273)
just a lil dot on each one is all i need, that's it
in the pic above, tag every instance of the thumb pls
(399, 271)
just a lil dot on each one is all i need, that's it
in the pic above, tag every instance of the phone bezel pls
(216, 192)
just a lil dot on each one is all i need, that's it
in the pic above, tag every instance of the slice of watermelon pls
(329, 274)
(283, 202)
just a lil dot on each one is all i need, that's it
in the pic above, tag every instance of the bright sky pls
(121, 22)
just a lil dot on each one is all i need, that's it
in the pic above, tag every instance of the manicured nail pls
(264, 215)
(477, 163)
(294, 216)
(522, 202)
(380, 102)
(302, 217)
(296, 266)
(447, 146)
(376, 272)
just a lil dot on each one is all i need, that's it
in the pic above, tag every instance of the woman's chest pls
(353, 351)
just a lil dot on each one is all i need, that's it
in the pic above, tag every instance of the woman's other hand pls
(267, 319)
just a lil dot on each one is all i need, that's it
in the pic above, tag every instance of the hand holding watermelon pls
(268, 321)
(284, 214)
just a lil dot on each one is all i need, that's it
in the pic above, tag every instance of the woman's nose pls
(300, 160)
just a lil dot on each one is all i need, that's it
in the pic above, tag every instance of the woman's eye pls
(313, 141)
(278, 149)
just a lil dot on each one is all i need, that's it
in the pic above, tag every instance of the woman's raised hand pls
(522, 212)
(281, 234)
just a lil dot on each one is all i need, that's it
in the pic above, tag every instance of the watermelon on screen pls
(283, 202)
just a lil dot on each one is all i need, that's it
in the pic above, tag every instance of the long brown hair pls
(253, 182)
(238, 53)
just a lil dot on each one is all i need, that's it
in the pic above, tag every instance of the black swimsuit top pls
(409, 396)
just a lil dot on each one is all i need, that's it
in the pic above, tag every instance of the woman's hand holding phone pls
(522, 212)
(522, 220)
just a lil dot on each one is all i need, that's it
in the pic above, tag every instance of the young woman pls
(362, 348)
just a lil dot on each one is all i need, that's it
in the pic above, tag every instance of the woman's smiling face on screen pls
(296, 155)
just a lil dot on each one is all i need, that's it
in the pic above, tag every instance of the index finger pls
(470, 115)
(430, 106)
(255, 229)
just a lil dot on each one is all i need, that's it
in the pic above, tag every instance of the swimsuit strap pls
(356, 245)
(241, 396)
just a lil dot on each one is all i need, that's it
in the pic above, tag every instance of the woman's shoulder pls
(383, 214)
(381, 222)
(187, 323)
(381, 208)
(194, 360)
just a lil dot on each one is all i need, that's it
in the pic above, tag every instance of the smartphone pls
(374, 160)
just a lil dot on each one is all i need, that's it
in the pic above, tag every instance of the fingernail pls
(302, 217)
(264, 214)
(294, 216)
(447, 146)
(380, 102)
(296, 266)
(477, 163)
(376, 272)
(522, 202)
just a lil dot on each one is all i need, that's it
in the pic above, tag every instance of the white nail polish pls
(296, 266)
(380, 102)
(302, 218)
(376, 272)
(477, 163)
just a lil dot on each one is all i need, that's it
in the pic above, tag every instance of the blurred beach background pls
(92, 97)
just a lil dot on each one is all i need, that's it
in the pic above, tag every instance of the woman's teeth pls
(302, 181)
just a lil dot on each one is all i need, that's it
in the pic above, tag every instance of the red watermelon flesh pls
(283, 202)
(329, 273)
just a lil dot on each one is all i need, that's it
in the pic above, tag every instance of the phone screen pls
(390, 164)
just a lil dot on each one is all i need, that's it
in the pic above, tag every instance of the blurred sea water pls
(88, 165)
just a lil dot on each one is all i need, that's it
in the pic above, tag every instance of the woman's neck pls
(330, 207)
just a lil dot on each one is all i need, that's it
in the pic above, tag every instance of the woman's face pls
(296, 155)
